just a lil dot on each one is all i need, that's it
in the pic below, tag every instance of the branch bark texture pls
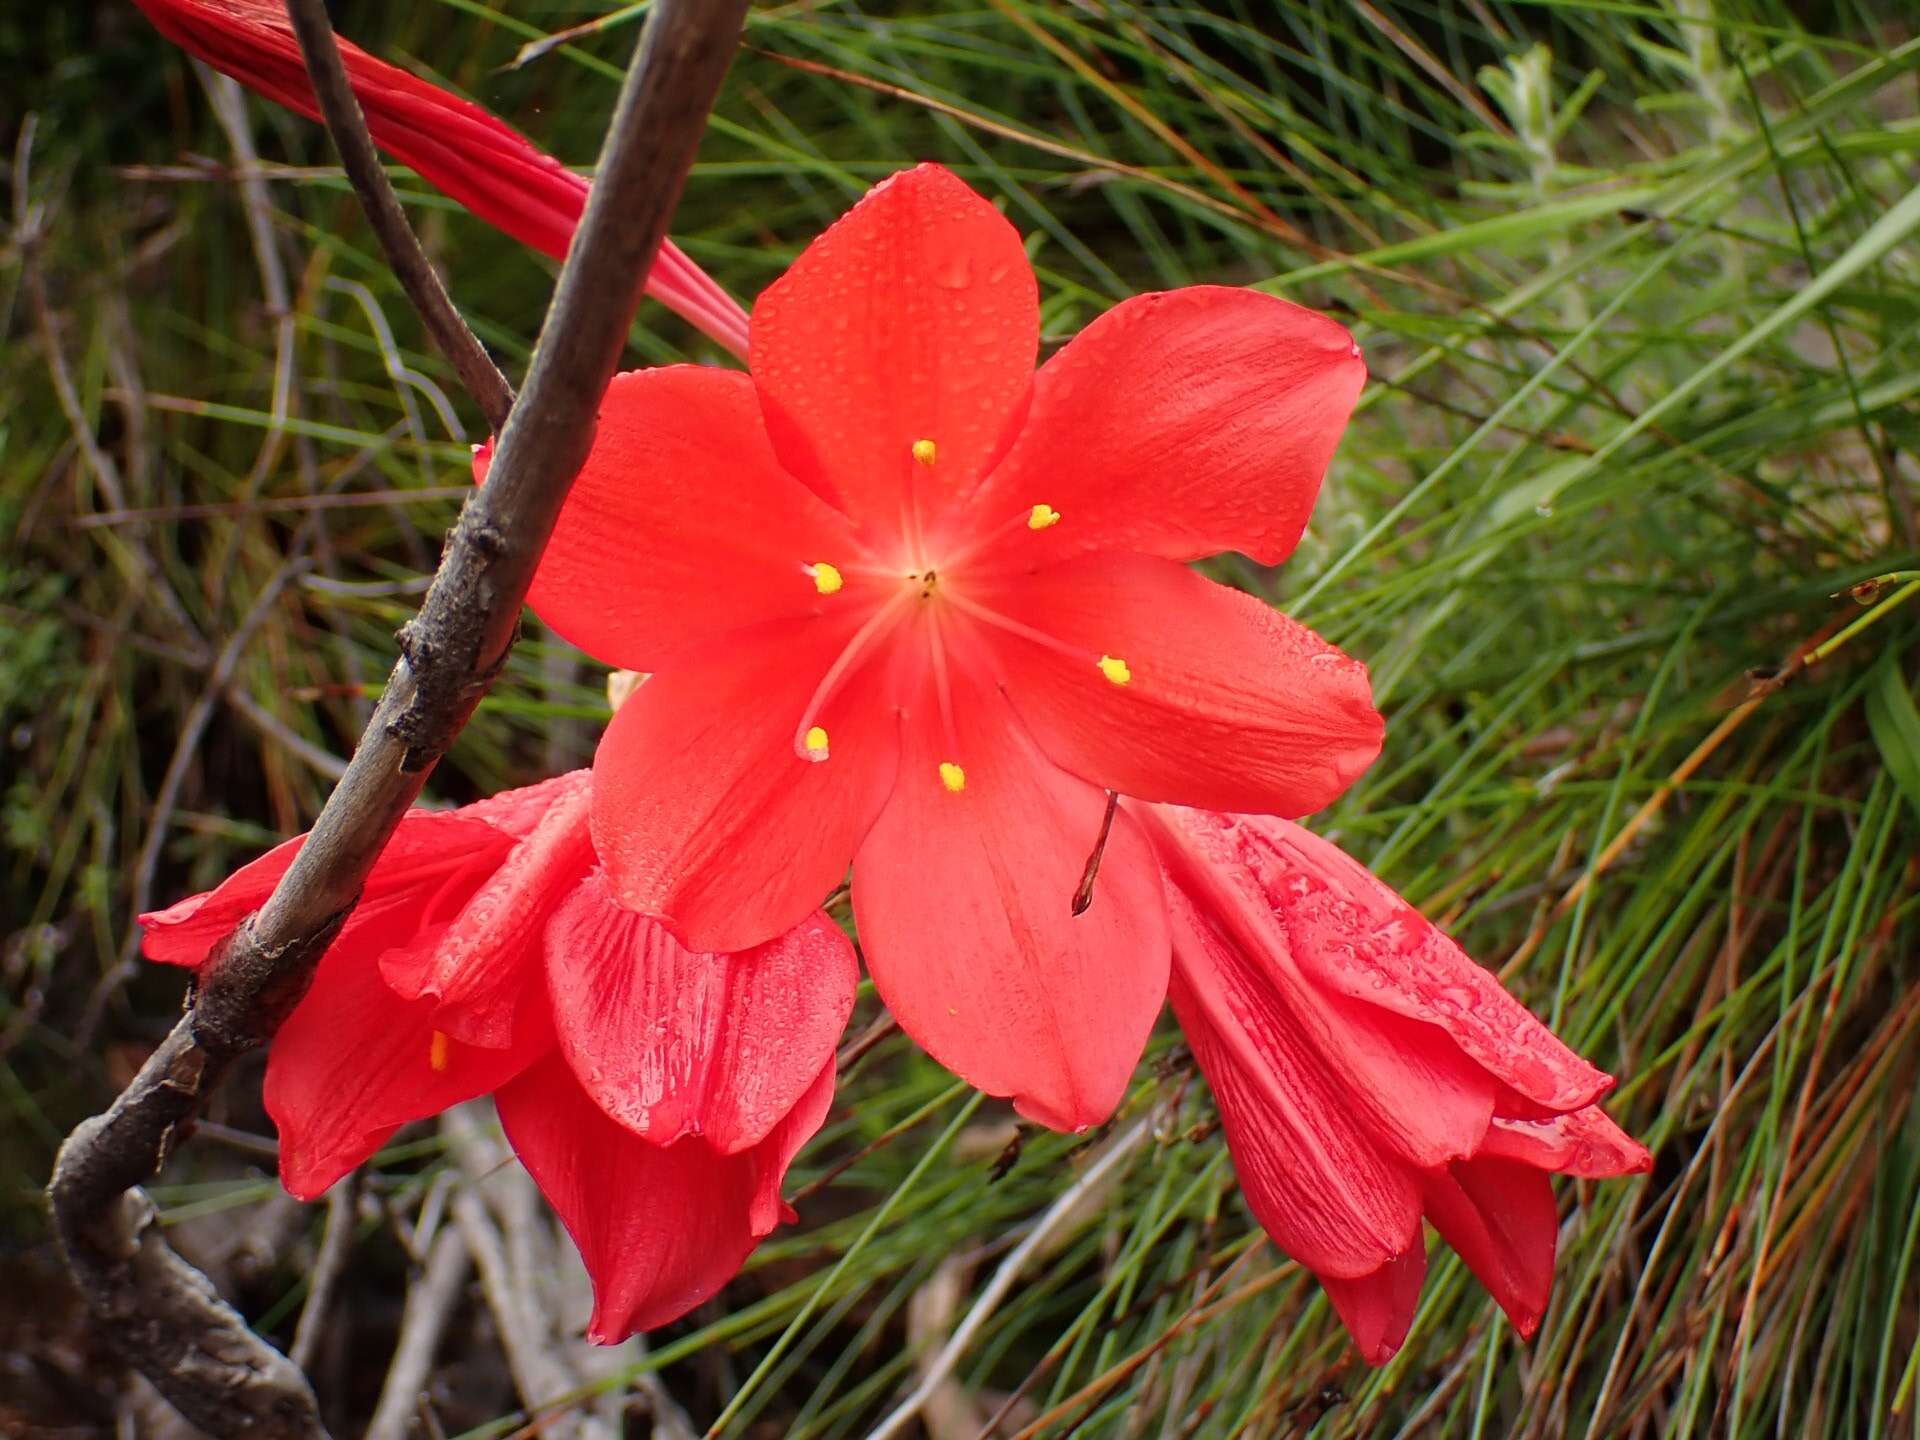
(161, 1313)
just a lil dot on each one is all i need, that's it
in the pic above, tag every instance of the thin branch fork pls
(160, 1312)
(348, 127)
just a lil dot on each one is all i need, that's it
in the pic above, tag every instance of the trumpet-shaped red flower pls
(656, 1095)
(1368, 1073)
(909, 605)
(478, 160)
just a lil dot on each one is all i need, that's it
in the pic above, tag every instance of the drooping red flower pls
(909, 605)
(456, 146)
(656, 1095)
(1369, 1073)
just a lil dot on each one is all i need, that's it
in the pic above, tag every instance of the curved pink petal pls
(477, 971)
(476, 158)
(1500, 1217)
(914, 317)
(1228, 703)
(703, 813)
(1378, 1308)
(964, 902)
(1353, 934)
(355, 1061)
(1584, 1143)
(1315, 1174)
(1183, 424)
(672, 1043)
(426, 849)
(681, 527)
(661, 1229)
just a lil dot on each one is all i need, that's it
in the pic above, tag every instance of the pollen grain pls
(1115, 669)
(1042, 517)
(816, 743)
(826, 578)
(926, 452)
(952, 776)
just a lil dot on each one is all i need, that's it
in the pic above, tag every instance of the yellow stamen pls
(816, 743)
(952, 776)
(1042, 516)
(826, 578)
(926, 452)
(439, 1051)
(1115, 669)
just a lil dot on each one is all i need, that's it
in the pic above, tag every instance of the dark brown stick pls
(348, 126)
(163, 1315)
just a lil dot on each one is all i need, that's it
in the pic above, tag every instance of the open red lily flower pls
(456, 146)
(656, 1095)
(909, 605)
(1369, 1073)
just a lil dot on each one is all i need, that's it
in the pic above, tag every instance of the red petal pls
(478, 970)
(914, 317)
(964, 902)
(1183, 424)
(1500, 1216)
(354, 1062)
(1585, 1143)
(1314, 1173)
(660, 1228)
(1356, 936)
(682, 527)
(186, 931)
(1230, 705)
(426, 849)
(703, 813)
(1378, 1308)
(671, 1043)
(521, 812)
(455, 145)
(1407, 1081)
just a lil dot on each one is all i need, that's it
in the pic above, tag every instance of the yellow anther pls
(826, 578)
(1041, 516)
(952, 776)
(439, 1051)
(925, 451)
(1115, 669)
(816, 743)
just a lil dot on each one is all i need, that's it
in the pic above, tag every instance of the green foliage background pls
(1638, 285)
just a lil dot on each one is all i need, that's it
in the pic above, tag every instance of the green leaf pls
(1895, 722)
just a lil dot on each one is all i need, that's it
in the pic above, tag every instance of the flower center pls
(915, 580)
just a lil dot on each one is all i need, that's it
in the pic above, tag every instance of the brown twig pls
(430, 1304)
(336, 1244)
(158, 1311)
(348, 127)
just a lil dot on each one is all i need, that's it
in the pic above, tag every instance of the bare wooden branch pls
(162, 1314)
(348, 127)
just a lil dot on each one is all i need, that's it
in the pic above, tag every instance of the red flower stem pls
(159, 1312)
(341, 114)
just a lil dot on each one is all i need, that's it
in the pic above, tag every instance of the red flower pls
(910, 606)
(1368, 1073)
(656, 1095)
(480, 161)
